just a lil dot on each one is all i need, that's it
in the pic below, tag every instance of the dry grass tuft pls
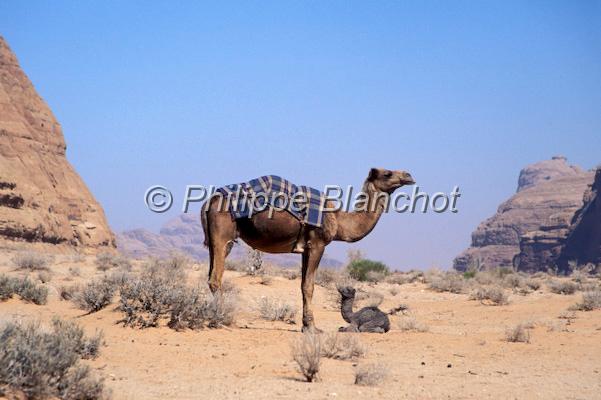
(562, 286)
(447, 282)
(406, 324)
(518, 334)
(276, 310)
(342, 346)
(306, 352)
(490, 295)
(370, 374)
(591, 300)
(32, 261)
(106, 261)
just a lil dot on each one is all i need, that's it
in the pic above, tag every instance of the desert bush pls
(197, 308)
(375, 276)
(160, 292)
(406, 324)
(30, 291)
(562, 286)
(339, 346)
(27, 289)
(44, 276)
(591, 300)
(518, 333)
(513, 281)
(144, 299)
(31, 261)
(276, 310)
(370, 374)
(447, 282)
(490, 295)
(291, 274)
(370, 298)
(359, 269)
(306, 352)
(105, 261)
(532, 283)
(95, 295)
(266, 280)
(233, 265)
(326, 277)
(38, 363)
(7, 287)
(68, 292)
(394, 290)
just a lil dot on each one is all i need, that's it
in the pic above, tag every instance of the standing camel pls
(279, 232)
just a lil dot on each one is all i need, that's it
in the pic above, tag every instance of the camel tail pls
(401, 308)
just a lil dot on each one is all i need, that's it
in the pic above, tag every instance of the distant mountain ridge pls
(184, 234)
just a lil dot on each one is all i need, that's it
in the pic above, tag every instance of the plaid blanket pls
(273, 192)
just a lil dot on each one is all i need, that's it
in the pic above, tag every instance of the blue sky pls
(173, 93)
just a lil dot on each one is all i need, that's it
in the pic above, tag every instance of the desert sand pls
(463, 353)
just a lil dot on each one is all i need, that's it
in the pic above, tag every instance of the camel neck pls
(355, 225)
(346, 309)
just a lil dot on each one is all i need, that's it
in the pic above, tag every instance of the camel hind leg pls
(221, 231)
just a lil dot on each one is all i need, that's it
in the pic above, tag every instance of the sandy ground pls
(463, 355)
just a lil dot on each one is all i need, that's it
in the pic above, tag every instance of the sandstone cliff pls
(539, 215)
(42, 199)
(583, 244)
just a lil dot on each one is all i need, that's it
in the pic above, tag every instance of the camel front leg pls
(311, 258)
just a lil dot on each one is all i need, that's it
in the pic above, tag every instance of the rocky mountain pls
(42, 198)
(184, 234)
(537, 218)
(583, 243)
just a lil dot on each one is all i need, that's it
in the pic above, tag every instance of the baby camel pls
(367, 319)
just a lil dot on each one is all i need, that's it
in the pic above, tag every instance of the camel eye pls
(388, 174)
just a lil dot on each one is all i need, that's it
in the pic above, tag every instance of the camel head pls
(347, 292)
(388, 181)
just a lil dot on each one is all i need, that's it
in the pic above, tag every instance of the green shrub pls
(360, 269)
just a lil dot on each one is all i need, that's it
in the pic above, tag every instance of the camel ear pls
(373, 174)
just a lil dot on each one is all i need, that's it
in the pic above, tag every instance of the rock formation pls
(538, 215)
(583, 244)
(42, 199)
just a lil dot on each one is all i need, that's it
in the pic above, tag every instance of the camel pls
(279, 232)
(367, 319)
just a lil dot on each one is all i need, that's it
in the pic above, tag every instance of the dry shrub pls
(159, 292)
(95, 295)
(341, 346)
(513, 281)
(406, 324)
(533, 284)
(266, 280)
(447, 282)
(562, 286)
(591, 300)
(401, 278)
(68, 292)
(326, 277)
(44, 276)
(32, 261)
(276, 310)
(518, 333)
(375, 276)
(394, 290)
(370, 374)
(196, 308)
(41, 363)
(24, 287)
(306, 352)
(370, 298)
(105, 261)
(290, 274)
(489, 295)
(75, 271)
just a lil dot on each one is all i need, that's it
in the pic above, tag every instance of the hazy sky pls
(458, 94)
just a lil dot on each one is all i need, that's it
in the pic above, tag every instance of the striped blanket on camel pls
(248, 198)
